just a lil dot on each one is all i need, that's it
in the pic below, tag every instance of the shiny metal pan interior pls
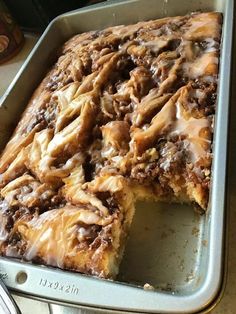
(170, 246)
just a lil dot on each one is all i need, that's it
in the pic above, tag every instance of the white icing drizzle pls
(155, 45)
(205, 65)
(211, 45)
(52, 234)
(26, 191)
(76, 195)
(191, 128)
(82, 233)
(4, 206)
(109, 183)
(3, 232)
(171, 119)
(108, 152)
(203, 25)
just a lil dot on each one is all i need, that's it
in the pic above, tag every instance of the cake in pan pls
(125, 114)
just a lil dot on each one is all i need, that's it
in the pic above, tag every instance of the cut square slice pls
(88, 237)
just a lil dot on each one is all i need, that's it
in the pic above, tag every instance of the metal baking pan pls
(170, 246)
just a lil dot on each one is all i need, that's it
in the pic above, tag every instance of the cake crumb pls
(204, 242)
(195, 231)
(149, 287)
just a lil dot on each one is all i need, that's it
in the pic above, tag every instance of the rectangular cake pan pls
(170, 247)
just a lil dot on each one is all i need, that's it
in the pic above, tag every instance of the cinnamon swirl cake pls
(125, 114)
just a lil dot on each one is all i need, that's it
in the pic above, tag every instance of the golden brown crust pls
(126, 113)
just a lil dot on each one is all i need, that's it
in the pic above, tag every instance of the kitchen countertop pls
(9, 69)
(227, 303)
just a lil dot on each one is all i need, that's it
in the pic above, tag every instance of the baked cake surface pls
(126, 113)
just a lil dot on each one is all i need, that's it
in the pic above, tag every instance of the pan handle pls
(7, 303)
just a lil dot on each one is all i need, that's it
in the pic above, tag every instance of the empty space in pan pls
(165, 248)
